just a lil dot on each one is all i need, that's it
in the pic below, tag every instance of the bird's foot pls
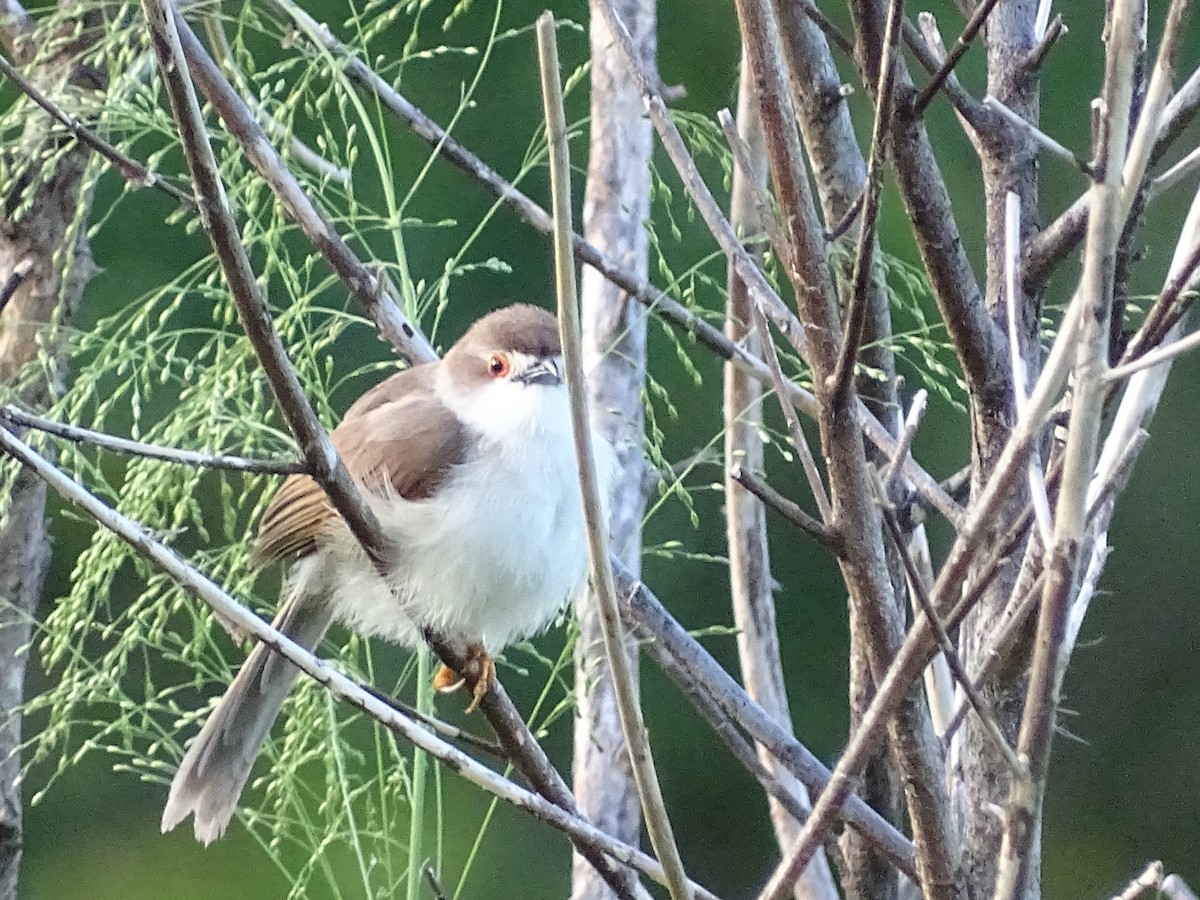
(479, 669)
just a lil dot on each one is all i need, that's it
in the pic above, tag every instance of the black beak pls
(542, 372)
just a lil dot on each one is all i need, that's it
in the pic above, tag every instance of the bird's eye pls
(498, 365)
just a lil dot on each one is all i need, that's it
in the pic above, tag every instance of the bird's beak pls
(543, 371)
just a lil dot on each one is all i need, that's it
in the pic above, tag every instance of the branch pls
(128, 167)
(710, 211)
(371, 289)
(786, 508)
(341, 686)
(961, 44)
(658, 824)
(17, 416)
(692, 668)
(1018, 854)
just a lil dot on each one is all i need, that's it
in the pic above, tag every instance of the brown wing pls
(397, 437)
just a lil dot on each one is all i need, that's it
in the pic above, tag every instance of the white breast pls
(495, 553)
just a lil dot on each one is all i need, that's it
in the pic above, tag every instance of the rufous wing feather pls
(398, 438)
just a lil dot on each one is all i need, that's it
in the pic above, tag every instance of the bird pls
(469, 465)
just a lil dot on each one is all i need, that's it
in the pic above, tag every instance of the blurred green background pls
(1123, 793)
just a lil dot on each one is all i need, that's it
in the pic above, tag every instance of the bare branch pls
(961, 44)
(370, 289)
(128, 167)
(706, 204)
(692, 667)
(1018, 852)
(17, 416)
(786, 508)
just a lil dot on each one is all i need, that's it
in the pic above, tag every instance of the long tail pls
(217, 764)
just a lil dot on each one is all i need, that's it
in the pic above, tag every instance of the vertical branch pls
(46, 256)
(637, 740)
(1019, 854)
(750, 579)
(616, 203)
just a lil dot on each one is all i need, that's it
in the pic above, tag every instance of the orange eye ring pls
(498, 365)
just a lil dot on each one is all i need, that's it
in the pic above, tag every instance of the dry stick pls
(1141, 145)
(18, 416)
(1018, 853)
(1020, 377)
(1168, 308)
(786, 508)
(1037, 56)
(658, 825)
(321, 457)
(656, 301)
(369, 288)
(340, 685)
(14, 281)
(927, 22)
(904, 443)
(689, 665)
(1186, 167)
(799, 441)
(129, 168)
(970, 109)
(961, 45)
(1161, 354)
(672, 141)
(856, 316)
(1049, 143)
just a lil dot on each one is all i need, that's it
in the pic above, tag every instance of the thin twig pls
(786, 508)
(18, 416)
(807, 462)
(961, 44)
(762, 204)
(658, 824)
(341, 686)
(1185, 168)
(982, 708)
(14, 281)
(128, 167)
(856, 316)
(971, 110)
(904, 443)
(1145, 135)
(453, 732)
(1037, 56)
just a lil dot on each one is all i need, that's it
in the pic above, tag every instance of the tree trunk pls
(616, 203)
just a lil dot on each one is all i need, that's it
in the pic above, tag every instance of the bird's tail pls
(217, 764)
